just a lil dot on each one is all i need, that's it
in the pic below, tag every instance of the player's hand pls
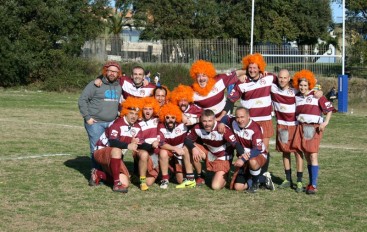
(98, 82)
(197, 155)
(91, 121)
(155, 144)
(145, 82)
(133, 147)
(322, 126)
(135, 140)
(221, 128)
(318, 94)
(242, 78)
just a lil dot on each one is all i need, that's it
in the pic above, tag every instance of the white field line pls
(42, 123)
(32, 156)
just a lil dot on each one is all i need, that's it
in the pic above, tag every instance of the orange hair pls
(111, 63)
(151, 102)
(304, 75)
(182, 92)
(170, 109)
(131, 103)
(202, 67)
(256, 58)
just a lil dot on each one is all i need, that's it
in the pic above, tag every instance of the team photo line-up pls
(170, 134)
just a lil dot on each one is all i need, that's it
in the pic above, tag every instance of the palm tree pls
(116, 22)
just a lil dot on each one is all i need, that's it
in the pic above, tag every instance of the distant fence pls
(225, 54)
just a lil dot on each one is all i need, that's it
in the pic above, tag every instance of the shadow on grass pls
(81, 164)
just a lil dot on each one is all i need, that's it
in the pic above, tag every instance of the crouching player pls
(172, 133)
(148, 166)
(248, 166)
(214, 148)
(123, 133)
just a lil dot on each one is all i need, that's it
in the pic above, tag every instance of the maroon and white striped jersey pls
(284, 103)
(216, 99)
(150, 130)
(193, 112)
(175, 138)
(309, 109)
(120, 129)
(249, 137)
(129, 89)
(214, 141)
(255, 96)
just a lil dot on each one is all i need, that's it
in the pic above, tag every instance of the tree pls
(116, 22)
(35, 33)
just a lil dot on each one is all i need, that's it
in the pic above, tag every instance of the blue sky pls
(337, 12)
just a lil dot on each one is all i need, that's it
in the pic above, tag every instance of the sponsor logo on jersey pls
(142, 92)
(262, 82)
(232, 138)
(308, 99)
(215, 89)
(290, 92)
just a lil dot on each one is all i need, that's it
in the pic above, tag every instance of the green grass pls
(51, 193)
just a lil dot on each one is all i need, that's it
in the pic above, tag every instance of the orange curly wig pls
(182, 92)
(304, 75)
(131, 103)
(151, 102)
(256, 58)
(111, 63)
(170, 109)
(202, 67)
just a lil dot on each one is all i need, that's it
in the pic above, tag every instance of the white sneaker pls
(268, 181)
(164, 184)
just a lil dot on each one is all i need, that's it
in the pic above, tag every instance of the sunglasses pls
(170, 117)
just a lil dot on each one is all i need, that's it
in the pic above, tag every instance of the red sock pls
(115, 169)
(165, 177)
(101, 175)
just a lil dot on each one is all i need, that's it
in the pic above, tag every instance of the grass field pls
(45, 169)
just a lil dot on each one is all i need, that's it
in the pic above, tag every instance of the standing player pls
(123, 133)
(214, 147)
(209, 88)
(99, 106)
(311, 124)
(284, 102)
(148, 160)
(172, 133)
(255, 96)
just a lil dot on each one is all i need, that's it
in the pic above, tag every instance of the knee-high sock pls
(115, 169)
(315, 174)
(309, 173)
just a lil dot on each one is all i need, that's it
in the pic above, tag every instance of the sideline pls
(33, 156)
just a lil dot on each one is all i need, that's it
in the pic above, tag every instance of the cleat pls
(299, 187)
(187, 184)
(285, 184)
(253, 188)
(164, 184)
(119, 187)
(144, 187)
(94, 178)
(311, 189)
(200, 181)
(268, 181)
